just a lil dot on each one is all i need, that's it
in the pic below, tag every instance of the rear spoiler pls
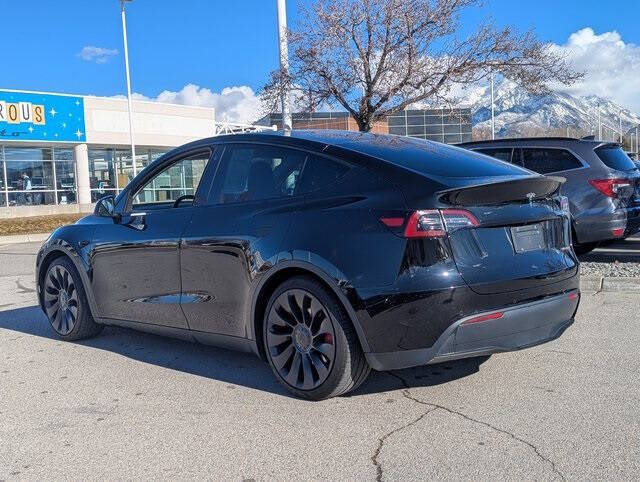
(520, 189)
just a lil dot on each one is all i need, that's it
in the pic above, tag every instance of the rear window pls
(319, 172)
(615, 158)
(544, 161)
(504, 154)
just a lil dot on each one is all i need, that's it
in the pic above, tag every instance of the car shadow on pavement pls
(227, 366)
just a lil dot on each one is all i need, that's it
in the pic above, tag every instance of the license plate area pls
(527, 238)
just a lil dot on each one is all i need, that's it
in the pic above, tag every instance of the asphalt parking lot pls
(131, 405)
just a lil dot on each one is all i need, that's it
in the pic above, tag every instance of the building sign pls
(29, 116)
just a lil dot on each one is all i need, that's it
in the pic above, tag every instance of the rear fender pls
(329, 274)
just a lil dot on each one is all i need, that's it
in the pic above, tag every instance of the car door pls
(237, 234)
(136, 258)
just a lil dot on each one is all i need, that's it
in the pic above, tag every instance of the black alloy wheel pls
(61, 299)
(310, 342)
(300, 339)
(65, 302)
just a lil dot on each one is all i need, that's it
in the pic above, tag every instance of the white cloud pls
(99, 55)
(611, 66)
(232, 104)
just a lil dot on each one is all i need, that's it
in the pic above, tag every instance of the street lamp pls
(126, 67)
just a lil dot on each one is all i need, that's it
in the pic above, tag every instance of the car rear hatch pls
(623, 182)
(515, 236)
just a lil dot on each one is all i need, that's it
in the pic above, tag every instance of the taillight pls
(610, 187)
(425, 224)
(433, 223)
(458, 218)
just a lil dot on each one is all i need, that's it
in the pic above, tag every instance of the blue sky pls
(217, 43)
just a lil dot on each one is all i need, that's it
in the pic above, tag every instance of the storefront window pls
(66, 175)
(102, 173)
(28, 153)
(33, 174)
(67, 197)
(63, 154)
(125, 165)
(3, 190)
(28, 175)
(31, 198)
(66, 182)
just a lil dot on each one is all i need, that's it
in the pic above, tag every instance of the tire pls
(310, 342)
(65, 302)
(584, 248)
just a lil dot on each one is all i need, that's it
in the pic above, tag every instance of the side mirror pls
(105, 207)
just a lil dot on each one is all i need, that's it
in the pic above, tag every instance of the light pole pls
(493, 123)
(126, 68)
(284, 62)
(620, 128)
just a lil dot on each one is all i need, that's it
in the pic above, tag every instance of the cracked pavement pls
(132, 405)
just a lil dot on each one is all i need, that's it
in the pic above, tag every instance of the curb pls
(24, 238)
(609, 284)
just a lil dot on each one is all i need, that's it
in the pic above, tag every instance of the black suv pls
(326, 253)
(602, 182)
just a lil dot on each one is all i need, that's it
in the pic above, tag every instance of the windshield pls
(615, 158)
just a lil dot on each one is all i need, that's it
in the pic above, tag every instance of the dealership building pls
(448, 125)
(60, 153)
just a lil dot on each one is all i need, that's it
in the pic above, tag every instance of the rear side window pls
(319, 172)
(544, 161)
(255, 172)
(504, 154)
(615, 158)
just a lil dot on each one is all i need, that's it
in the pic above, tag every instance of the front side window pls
(255, 172)
(544, 161)
(179, 179)
(125, 165)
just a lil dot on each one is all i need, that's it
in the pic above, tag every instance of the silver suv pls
(602, 182)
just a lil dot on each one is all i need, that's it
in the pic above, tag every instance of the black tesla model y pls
(325, 253)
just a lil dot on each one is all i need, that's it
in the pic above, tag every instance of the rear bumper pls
(521, 326)
(600, 227)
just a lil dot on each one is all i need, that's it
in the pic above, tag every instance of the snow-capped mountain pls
(519, 113)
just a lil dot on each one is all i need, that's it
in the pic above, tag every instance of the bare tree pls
(377, 57)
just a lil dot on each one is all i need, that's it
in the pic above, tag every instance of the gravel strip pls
(613, 269)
